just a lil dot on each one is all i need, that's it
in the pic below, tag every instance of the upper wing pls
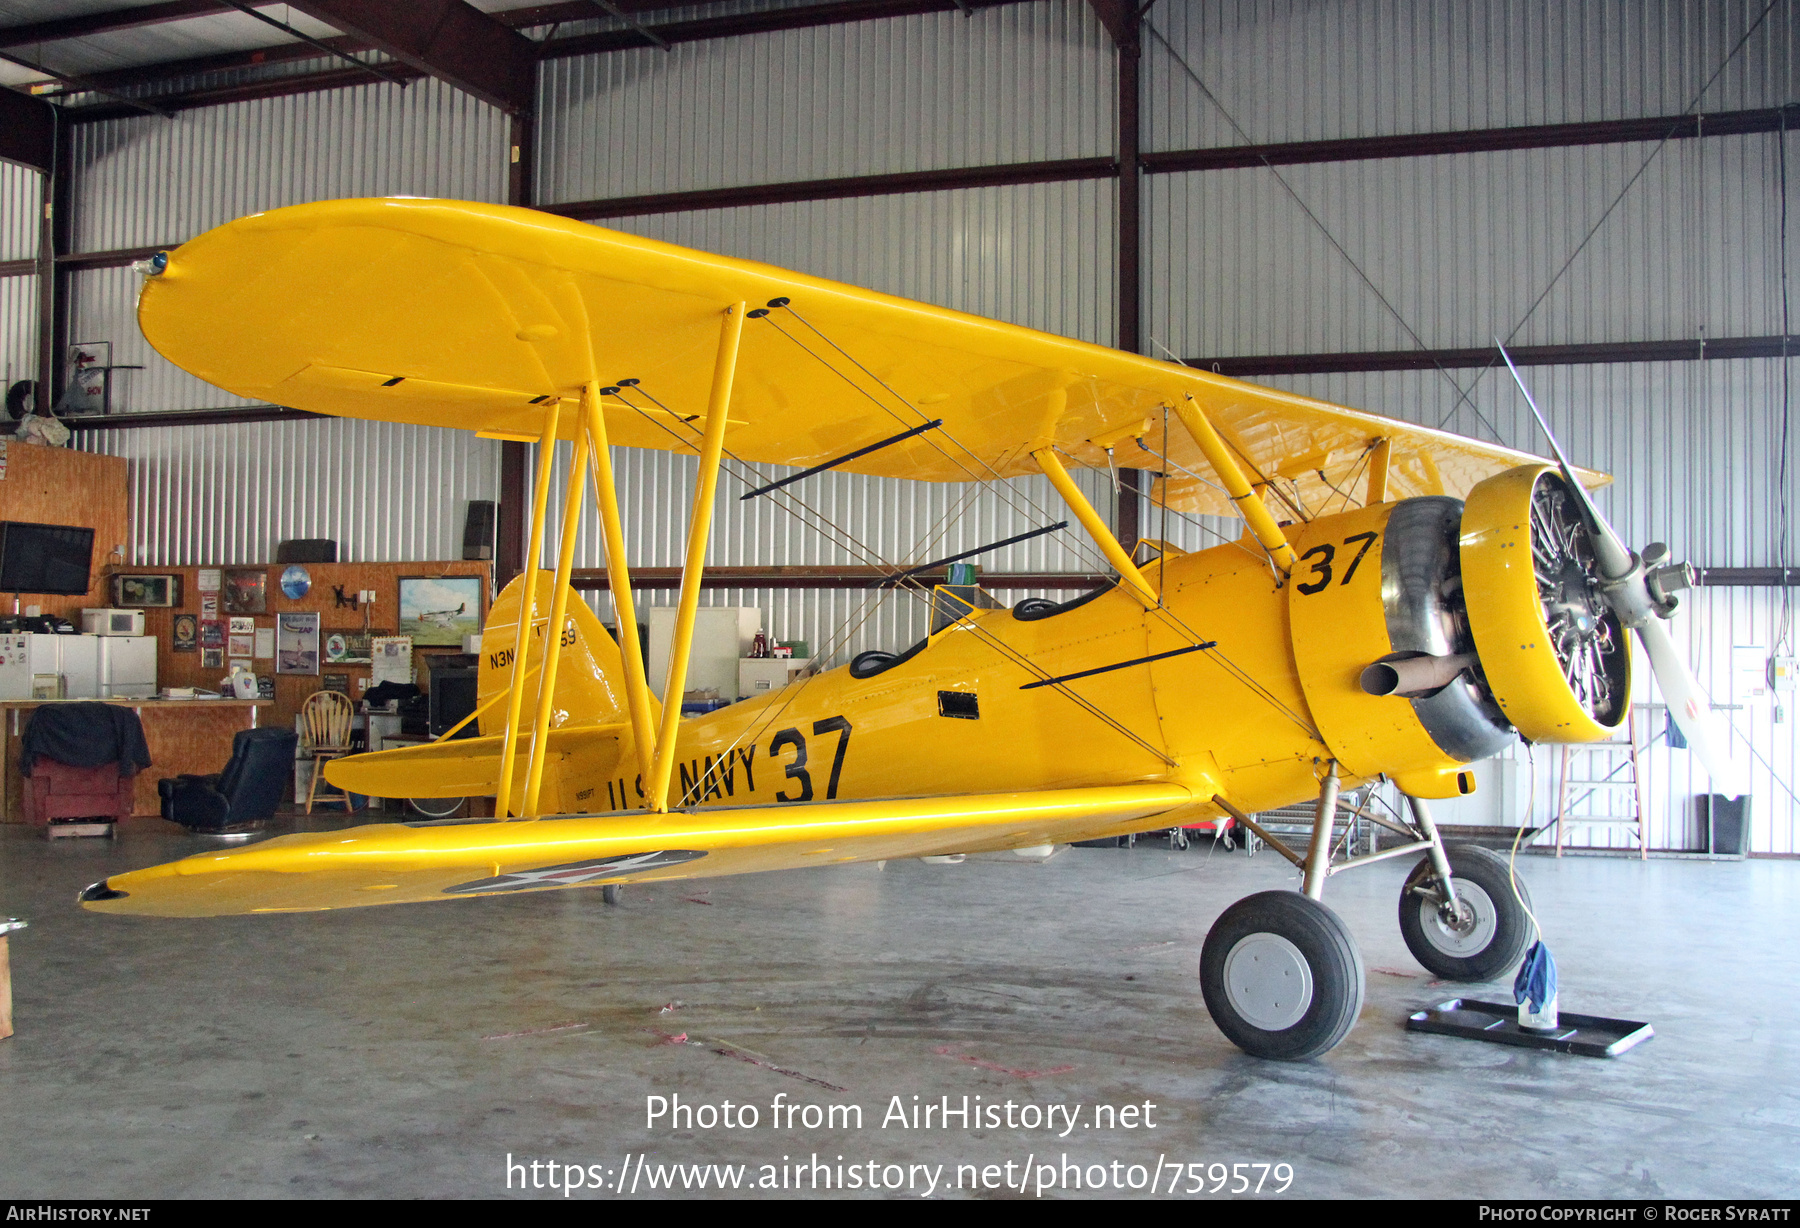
(393, 863)
(455, 314)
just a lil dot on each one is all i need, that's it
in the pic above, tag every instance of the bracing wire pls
(857, 548)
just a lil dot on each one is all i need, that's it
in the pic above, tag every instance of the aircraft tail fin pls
(590, 673)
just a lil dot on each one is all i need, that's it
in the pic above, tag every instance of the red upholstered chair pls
(57, 791)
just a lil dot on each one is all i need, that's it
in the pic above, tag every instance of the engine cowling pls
(1486, 621)
(1555, 657)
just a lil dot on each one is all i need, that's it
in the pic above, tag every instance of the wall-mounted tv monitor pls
(53, 559)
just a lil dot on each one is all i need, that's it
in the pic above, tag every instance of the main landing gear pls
(1280, 972)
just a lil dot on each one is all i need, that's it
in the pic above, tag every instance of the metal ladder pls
(1601, 787)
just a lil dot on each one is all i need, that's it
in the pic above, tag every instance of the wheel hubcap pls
(1268, 982)
(1466, 933)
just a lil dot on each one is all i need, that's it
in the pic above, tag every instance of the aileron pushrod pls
(848, 456)
(1107, 669)
(1014, 540)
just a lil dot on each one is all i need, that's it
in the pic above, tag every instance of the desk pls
(185, 735)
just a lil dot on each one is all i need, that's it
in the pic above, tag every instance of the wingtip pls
(95, 892)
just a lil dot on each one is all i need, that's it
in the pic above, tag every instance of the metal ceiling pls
(140, 48)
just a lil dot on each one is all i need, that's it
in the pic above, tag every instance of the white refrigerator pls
(127, 666)
(75, 657)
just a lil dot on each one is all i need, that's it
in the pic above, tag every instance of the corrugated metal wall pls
(1463, 246)
(1019, 83)
(18, 328)
(21, 195)
(1043, 255)
(149, 180)
(1297, 70)
(21, 198)
(384, 492)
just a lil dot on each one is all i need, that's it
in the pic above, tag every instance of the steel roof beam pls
(1120, 17)
(111, 20)
(767, 21)
(453, 41)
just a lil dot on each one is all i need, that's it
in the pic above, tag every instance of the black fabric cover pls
(85, 735)
(247, 791)
(377, 697)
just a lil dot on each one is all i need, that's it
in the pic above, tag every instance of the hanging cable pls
(1419, 342)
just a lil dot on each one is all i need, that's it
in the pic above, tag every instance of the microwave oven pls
(112, 622)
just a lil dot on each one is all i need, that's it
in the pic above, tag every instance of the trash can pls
(1725, 824)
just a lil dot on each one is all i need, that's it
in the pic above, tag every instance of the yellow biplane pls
(1459, 596)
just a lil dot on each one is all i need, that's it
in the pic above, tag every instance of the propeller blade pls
(1614, 556)
(1691, 709)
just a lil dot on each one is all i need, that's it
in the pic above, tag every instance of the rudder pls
(590, 673)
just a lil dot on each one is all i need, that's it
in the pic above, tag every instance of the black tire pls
(1490, 939)
(1294, 943)
(610, 893)
(436, 807)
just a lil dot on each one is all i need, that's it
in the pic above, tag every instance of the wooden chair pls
(325, 720)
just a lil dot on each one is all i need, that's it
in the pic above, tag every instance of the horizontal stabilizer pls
(392, 863)
(470, 767)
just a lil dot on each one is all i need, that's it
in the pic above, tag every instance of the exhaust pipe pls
(1415, 675)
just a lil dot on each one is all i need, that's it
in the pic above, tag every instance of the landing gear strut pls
(1282, 976)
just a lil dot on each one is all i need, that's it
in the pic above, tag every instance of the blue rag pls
(1536, 981)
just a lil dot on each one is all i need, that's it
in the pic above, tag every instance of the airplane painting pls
(439, 610)
(1402, 603)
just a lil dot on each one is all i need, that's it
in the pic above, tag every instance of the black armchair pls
(245, 793)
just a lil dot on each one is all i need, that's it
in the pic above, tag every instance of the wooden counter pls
(185, 735)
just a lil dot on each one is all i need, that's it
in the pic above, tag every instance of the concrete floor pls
(408, 1051)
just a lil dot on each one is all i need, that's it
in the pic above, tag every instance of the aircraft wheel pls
(1281, 976)
(610, 893)
(1488, 934)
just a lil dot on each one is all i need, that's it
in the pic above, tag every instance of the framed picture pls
(212, 633)
(246, 591)
(297, 644)
(146, 592)
(335, 682)
(349, 647)
(186, 637)
(437, 611)
(212, 658)
(393, 660)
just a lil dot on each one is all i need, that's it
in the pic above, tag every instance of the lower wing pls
(393, 863)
